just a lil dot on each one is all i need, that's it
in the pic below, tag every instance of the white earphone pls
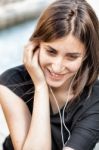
(62, 116)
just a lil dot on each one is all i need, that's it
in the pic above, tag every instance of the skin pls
(64, 59)
(36, 64)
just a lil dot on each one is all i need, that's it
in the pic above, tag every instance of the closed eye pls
(72, 57)
(51, 52)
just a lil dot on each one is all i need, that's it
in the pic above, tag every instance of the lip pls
(54, 76)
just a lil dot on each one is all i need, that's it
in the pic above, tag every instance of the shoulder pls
(15, 72)
(94, 94)
(12, 75)
(91, 96)
(18, 80)
(91, 102)
(95, 89)
(87, 104)
(85, 123)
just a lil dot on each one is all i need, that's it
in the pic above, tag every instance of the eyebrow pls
(68, 53)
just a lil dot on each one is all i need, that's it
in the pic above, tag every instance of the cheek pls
(74, 66)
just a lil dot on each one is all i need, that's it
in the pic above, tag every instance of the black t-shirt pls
(81, 117)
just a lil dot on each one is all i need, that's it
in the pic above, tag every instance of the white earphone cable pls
(64, 110)
(62, 116)
(59, 115)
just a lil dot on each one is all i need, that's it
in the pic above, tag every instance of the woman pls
(58, 82)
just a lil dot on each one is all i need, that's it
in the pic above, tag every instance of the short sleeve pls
(85, 133)
(18, 80)
(11, 79)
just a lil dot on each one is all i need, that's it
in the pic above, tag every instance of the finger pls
(36, 64)
(28, 52)
(30, 43)
(35, 58)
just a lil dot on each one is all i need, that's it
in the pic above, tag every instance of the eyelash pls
(72, 58)
(52, 53)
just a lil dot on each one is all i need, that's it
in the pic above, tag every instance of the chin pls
(55, 84)
(56, 81)
(59, 83)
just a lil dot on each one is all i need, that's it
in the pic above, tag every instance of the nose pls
(58, 66)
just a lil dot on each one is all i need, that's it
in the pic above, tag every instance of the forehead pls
(66, 44)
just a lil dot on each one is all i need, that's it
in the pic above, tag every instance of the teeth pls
(54, 74)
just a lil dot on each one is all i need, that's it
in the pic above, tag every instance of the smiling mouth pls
(55, 76)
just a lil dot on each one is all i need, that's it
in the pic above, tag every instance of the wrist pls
(41, 86)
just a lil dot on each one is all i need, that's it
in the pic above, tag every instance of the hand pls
(31, 62)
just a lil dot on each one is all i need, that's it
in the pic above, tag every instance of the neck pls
(64, 88)
(61, 95)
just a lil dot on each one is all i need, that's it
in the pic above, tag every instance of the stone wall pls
(20, 11)
(4, 2)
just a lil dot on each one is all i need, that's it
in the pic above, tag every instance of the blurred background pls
(17, 22)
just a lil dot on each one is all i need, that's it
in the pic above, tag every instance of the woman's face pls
(61, 59)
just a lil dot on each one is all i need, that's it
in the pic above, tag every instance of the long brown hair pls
(77, 17)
